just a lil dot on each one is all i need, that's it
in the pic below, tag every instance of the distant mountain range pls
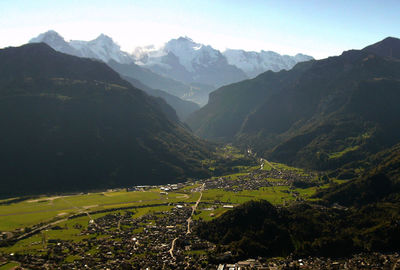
(191, 62)
(188, 61)
(181, 67)
(106, 50)
(320, 114)
(255, 63)
(72, 123)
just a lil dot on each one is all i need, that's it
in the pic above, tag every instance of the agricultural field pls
(44, 209)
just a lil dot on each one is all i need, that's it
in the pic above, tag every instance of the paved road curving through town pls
(171, 251)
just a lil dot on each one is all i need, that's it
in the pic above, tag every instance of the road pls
(171, 251)
(189, 221)
(39, 229)
(194, 207)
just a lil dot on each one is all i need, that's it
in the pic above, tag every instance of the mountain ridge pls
(191, 62)
(254, 63)
(104, 49)
(309, 114)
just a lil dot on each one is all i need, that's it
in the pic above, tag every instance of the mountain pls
(57, 42)
(106, 50)
(72, 123)
(185, 60)
(102, 48)
(386, 48)
(255, 63)
(182, 107)
(380, 181)
(320, 114)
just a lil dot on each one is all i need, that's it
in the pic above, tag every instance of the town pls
(162, 237)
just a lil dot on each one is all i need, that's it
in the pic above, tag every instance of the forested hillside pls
(73, 124)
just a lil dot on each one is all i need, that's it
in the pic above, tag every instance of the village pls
(259, 178)
(164, 239)
(155, 241)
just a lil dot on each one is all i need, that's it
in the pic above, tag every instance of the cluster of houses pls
(359, 261)
(121, 241)
(258, 179)
(165, 188)
(110, 261)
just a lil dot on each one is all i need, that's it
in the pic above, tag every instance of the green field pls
(70, 230)
(45, 209)
(343, 152)
(10, 265)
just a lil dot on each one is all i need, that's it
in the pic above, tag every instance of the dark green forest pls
(258, 228)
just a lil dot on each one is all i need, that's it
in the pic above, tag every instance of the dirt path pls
(46, 199)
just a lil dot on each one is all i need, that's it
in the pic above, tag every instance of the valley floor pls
(149, 226)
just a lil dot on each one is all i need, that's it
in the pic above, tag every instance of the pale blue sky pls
(319, 28)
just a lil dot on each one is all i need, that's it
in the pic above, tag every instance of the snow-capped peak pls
(188, 61)
(105, 40)
(184, 39)
(106, 49)
(254, 63)
(191, 53)
(103, 47)
(51, 36)
(57, 42)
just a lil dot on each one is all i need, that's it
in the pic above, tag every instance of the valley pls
(161, 226)
(167, 152)
(152, 222)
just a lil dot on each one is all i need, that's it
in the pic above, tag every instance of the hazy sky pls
(316, 27)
